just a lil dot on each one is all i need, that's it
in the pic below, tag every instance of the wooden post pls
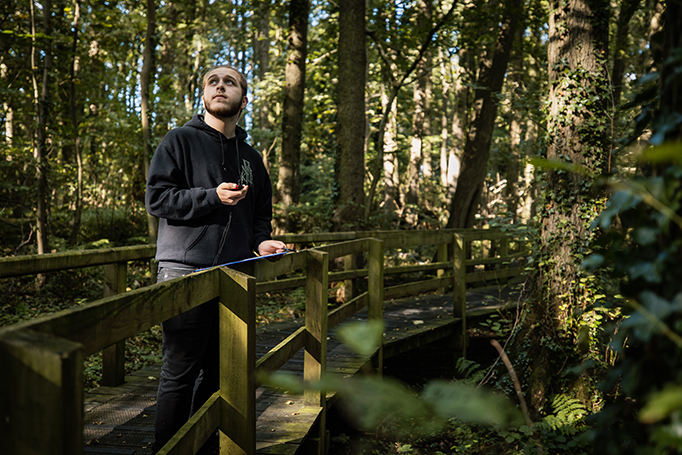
(504, 252)
(315, 360)
(375, 310)
(349, 263)
(317, 275)
(459, 285)
(113, 357)
(237, 363)
(41, 394)
(442, 256)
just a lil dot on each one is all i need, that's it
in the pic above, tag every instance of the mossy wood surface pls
(41, 263)
(112, 319)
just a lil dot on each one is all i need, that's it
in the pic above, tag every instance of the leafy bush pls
(641, 248)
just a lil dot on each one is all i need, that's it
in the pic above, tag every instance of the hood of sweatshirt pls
(199, 123)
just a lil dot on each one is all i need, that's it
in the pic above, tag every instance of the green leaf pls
(671, 151)
(470, 404)
(362, 337)
(646, 270)
(657, 306)
(592, 262)
(646, 235)
(661, 404)
(557, 165)
(283, 381)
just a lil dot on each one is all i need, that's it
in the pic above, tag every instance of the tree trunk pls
(420, 114)
(261, 53)
(459, 122)
(41, 98)
(578, 41)
(190, 77)
(289, 176)
(146, 80)
(477, 148)
(515, 80)
(444, 148)
(75, 63)
(9, 112)
(351, 114)
(671, 78)
(392, 203)
(627, 10)
(396, 84)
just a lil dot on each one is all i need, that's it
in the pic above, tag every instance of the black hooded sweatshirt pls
(187, 167)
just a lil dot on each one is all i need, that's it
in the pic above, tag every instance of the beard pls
(223, 111)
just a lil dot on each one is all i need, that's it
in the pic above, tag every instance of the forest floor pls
(415, 369)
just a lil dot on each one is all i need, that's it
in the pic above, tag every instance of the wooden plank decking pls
(120, 420)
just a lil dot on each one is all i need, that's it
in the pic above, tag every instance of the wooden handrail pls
(61, 340)
(114, 261)
(42, 263)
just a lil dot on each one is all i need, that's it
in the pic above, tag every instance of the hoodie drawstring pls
(229, 220)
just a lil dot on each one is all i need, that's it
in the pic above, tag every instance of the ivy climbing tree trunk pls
(351, 114)
(578, 133)
(289, 176)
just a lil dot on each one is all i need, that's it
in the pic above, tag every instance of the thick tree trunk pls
(289, 176)
(578, 41)
(146, 80)
(351, 114)
(477, 148)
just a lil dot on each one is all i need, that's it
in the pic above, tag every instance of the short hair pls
(240, 77)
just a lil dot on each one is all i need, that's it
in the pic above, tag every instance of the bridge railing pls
(496, 255)
(42, 387)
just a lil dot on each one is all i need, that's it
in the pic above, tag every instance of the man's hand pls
(231, 193)
(271, 247)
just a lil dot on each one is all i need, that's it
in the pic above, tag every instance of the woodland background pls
(558, 118)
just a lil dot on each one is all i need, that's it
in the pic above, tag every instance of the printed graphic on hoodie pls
(246, 177)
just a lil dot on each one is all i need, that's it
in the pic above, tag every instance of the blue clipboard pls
(255, 258)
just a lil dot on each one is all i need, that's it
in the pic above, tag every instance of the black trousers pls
(189, 375)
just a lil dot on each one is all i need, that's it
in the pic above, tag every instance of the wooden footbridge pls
(44, 409)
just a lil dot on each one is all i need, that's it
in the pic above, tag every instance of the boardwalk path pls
(120, 420)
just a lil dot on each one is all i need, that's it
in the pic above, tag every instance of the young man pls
(213, 198)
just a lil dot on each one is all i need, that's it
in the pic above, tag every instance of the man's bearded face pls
(223, 96)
